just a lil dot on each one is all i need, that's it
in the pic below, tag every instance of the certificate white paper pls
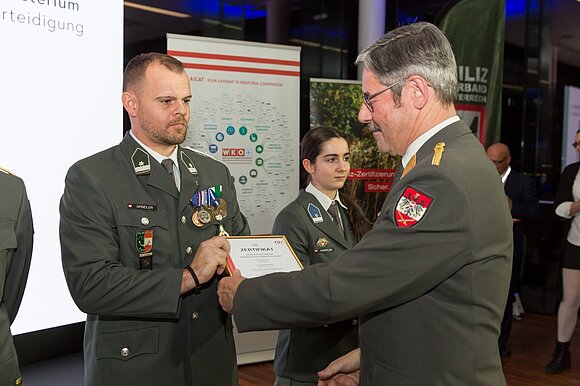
(257, 256)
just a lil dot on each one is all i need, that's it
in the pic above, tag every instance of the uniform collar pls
(420, 141)
(158, 157)
(323, 198)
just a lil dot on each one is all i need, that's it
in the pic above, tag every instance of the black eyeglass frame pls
(367, 98)
(575, 144)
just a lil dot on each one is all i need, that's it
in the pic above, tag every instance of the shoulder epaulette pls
(6, 171)
(438, 153)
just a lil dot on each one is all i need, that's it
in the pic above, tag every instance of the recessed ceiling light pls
(156, 10)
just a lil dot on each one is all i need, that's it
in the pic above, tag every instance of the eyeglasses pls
(367, 98)
(500, 161)
(574, 144)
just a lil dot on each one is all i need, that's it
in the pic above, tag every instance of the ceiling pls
(142, 25)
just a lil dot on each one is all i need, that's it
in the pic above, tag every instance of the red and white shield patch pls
(411, 207)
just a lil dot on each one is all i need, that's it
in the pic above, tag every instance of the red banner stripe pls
(236, 58)
(241, 69)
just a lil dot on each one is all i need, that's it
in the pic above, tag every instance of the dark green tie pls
(167, 164)
(333, 212)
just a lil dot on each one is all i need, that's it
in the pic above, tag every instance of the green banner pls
(475, 29)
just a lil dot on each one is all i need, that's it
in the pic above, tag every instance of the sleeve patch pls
(411, 207)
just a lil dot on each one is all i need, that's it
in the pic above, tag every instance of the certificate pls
(256, 256)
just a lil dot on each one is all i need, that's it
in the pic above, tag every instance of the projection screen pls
(60, 77)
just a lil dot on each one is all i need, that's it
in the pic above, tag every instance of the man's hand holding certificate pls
(254, 256)
(257, 256)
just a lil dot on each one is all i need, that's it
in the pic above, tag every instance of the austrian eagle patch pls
(411, 207)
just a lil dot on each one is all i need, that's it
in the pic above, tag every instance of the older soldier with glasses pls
(429, 282)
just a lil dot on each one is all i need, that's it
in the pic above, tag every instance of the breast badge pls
(411, 207)
(322, 245)
(315, 213)
(144, 244)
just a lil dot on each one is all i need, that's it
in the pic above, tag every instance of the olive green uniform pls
(429, 281)
(301, 352)
(16, 234)
(139, 330)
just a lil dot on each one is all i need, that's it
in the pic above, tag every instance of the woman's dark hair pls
(310, 148)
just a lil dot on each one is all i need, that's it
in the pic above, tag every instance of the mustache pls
(373, 127)
(183, 121)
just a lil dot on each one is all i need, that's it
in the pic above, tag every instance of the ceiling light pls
(156, 10)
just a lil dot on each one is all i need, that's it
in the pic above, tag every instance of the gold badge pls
(438, 153)
(322, 242)
(195, 219)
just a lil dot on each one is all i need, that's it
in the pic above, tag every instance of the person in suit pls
(429, 282)
(319, 224)
(140, 247)
(16, 236)
(567, 207)
(522, 198)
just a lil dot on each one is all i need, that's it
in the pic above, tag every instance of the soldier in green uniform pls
(320, 224)
(140, 247)
(430, 281)
(16, 234)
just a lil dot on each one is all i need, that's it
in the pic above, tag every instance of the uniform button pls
(18, 381)
(195, 315)
(183, 220)
(189, 250)
(354, 322)
(144, 221)
(124, 352)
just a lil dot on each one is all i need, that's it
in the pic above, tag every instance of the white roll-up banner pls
(61, 79)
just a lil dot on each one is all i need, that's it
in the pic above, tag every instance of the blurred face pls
(330, 169)
(389, 123)
(500, 156)
(162, 107)
(577, 143)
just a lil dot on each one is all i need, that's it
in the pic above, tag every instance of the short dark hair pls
(135, 70)
(414, 49)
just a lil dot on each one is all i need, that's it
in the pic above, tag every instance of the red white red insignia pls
(411, 207)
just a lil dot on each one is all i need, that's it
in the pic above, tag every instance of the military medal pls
(208, 206)
(195, 219)
(222, 208)
(204, 215)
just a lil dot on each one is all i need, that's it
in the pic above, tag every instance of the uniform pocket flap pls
(124, 345)
(145, 219)
(7, 235)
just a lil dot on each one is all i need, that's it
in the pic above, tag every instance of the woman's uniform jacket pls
(302, 352)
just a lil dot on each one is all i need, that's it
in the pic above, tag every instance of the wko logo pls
(233, 152)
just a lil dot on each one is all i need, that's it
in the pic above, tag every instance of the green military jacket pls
(16, 234)
(429, 281)
(126, 233)
(301, 352)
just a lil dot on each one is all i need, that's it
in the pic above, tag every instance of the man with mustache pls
(140, 247)
(429, 282)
